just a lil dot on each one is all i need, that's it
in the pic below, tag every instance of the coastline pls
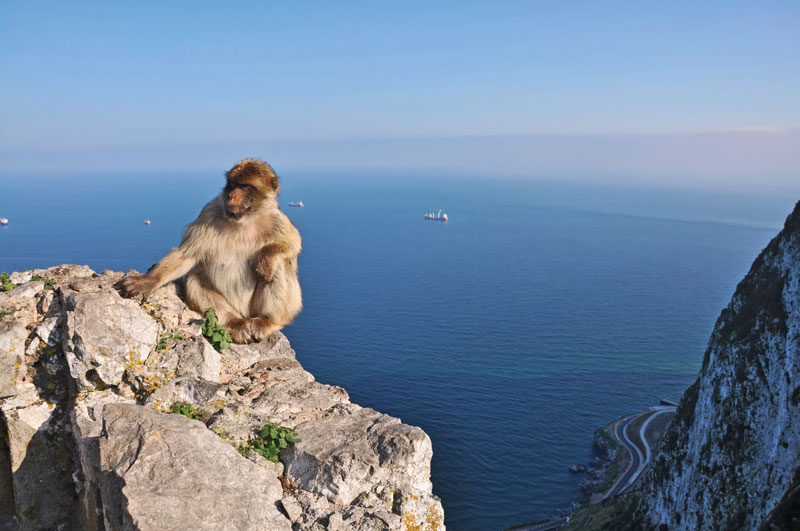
(624, 449)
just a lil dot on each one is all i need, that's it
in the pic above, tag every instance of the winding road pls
(638, 461)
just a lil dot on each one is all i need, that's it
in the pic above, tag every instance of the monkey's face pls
(241, 199)
(250, 184)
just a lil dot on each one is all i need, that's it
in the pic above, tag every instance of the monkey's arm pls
(268, 256)
(174, 265)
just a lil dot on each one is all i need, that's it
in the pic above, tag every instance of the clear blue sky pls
(86, 77)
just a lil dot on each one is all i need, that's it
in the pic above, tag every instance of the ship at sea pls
(4, 222)
(437, 217)
(296, 204)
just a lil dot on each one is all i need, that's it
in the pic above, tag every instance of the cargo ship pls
(296, 204)
(437, 217)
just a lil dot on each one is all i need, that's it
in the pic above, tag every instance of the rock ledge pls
(87, 380)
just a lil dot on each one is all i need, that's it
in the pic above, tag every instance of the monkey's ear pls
(273, 182)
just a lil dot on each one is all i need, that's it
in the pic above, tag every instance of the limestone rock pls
(104, 334)
(87, 426)
(58, 274)
(169, 472)
(12, 356)
(729, 458)
(374, 460)
(85, 443)
(40, 461)
(193, 356)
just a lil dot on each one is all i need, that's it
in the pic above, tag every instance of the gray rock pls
(356, 454)
(367, 447)
(58, 274)
(40, 462)
(87, 426)
(292, 508)
(577, 469)
(168, 472)
(104, 334)
(28, 290)
(77, 452)
(193, 356)
(729, 458)
(360, 519)
(12, 356)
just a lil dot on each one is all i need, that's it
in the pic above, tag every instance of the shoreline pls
(625, 447)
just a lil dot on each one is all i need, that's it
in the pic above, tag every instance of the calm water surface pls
(537, 314)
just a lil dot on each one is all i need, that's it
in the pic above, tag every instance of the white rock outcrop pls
(87, 380)
(731, 457)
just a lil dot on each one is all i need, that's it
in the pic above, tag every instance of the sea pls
(541, 311)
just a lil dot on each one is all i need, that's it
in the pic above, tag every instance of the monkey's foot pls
(251, 330)
(263, 327)
(240, 330)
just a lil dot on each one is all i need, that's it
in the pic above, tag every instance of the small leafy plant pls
(269, 442)
(48, 283)
(169, 338)
(217, 335)
(3, 314)
(187, 410)
(5, 283)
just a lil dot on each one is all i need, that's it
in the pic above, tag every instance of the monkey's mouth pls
(235, 212)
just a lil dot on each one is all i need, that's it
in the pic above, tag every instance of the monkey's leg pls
(201, 295)
(266, 305)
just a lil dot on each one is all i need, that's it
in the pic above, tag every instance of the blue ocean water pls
(538, 313)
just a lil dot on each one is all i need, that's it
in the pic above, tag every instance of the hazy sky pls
(83, 80)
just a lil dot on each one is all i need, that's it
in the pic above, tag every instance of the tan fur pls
(245, 267)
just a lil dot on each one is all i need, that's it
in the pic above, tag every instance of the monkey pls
(239, 256)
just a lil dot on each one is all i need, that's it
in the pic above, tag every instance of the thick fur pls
(239, 256)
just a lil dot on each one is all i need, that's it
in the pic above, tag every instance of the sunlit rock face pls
(87, 440)
(730, 458)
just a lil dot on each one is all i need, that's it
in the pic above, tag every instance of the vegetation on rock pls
(169, 338)
(269, 442)
(187, 410)
(48, 283)
(217, 335)
(5, 283)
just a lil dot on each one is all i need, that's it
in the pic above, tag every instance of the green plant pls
(269, 442)
(187, 410)
(5, 283)
(167, 337)
(217, 335)
(3, 314)
(48, 283)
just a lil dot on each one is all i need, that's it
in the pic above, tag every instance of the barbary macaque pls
(239, 256)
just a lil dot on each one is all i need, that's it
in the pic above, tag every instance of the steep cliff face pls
(730, 458)
(87, 440)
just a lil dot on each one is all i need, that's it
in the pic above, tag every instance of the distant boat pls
(147, 222)
(4, 222)
(296, 204)
(437, 217)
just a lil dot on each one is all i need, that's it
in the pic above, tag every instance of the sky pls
(535, 87)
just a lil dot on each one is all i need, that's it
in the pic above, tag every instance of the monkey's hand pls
(265, 268)
(136, 284)
(268, 260)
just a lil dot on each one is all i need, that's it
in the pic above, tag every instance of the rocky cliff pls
(87, 440)
(730, 458)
